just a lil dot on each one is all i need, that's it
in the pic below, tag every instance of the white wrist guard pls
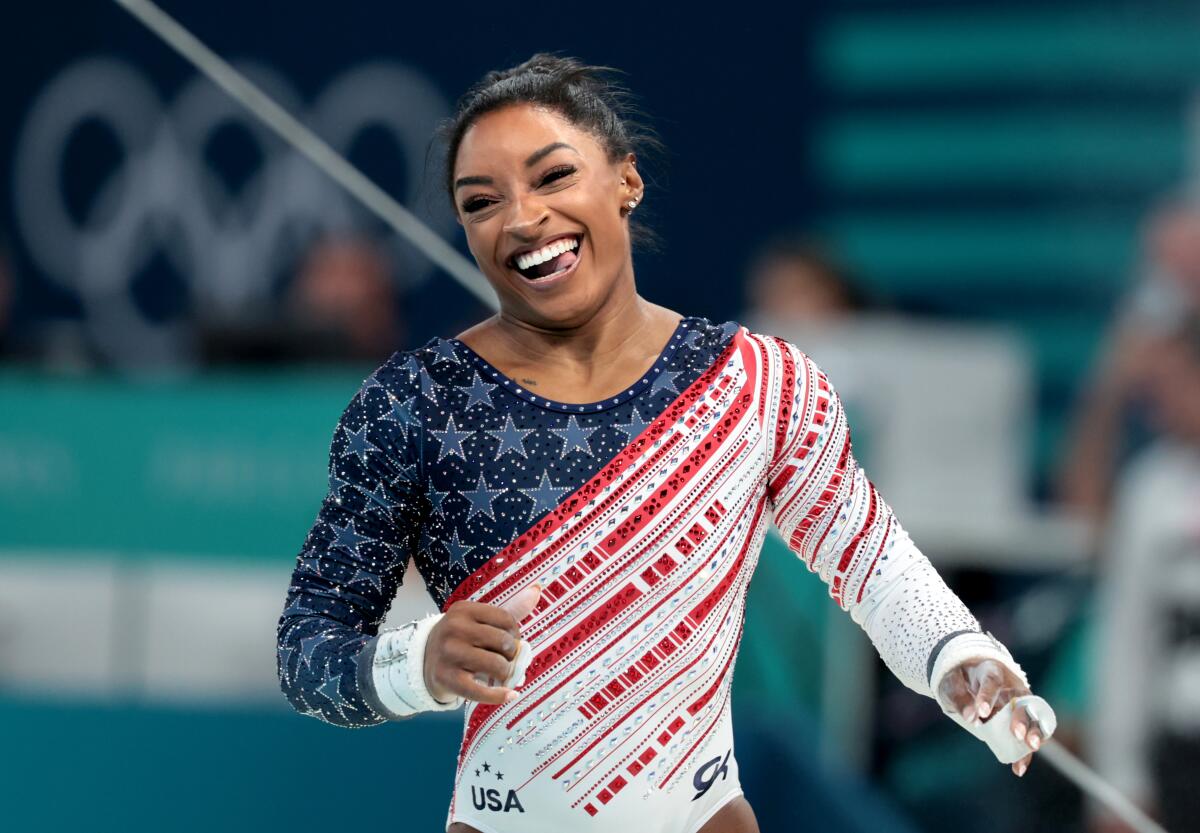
(398, 669)
(967, 646)
(996, 731)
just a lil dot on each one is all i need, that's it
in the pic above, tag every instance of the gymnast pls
(584, 481)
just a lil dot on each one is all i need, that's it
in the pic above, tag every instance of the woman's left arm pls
(836, 521)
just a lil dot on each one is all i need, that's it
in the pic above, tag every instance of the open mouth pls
(553, 259)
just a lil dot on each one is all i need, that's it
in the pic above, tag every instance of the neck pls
(616, 326)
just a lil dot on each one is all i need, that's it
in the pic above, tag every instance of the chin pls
(559, 313)
(567, 307)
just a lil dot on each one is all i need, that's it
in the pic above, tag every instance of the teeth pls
(548, 251)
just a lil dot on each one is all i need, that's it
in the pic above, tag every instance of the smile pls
(553, 260)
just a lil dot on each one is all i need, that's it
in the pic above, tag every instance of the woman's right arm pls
(352, 562)
(333, 662)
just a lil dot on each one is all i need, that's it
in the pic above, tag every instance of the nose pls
(525, 218)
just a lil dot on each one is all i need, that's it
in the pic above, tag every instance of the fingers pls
(468, 672)
(522, 604)
(467, 686)
(955, 690)
(989, 692)
(463, 632)
(1027, 729)
(494, 639)
(1020, 724)
(478, 643)
(987, 685)
(485, 614)
(507, 616)
(1034, 737)
(489, 664)
(463, 653)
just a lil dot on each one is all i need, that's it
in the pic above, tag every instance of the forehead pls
(509, 135)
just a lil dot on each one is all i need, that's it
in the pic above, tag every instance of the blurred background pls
(982, 219)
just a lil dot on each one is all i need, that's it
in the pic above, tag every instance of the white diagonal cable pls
(304, 140)
(1093, 785)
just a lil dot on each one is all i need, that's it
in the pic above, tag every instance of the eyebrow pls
(533, 159)
(538, 155)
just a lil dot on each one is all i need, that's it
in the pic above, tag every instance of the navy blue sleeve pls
(355, 554)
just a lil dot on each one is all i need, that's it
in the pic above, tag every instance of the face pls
(543, 209)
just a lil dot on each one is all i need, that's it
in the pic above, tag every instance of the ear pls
(632, 187)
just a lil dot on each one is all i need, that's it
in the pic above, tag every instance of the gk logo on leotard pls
(703, 782)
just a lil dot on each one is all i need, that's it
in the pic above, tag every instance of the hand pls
(979, 688)
(477, 640)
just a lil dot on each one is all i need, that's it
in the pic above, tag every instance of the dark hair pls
(585, 95)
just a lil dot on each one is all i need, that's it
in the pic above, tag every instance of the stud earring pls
(632, 204)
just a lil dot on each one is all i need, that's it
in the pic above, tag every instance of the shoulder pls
(709, 331)
(703, 337)
(421, 370)
(776, 355)
(386, 400)
(768, 341)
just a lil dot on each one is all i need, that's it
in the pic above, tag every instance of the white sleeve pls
(834, 519)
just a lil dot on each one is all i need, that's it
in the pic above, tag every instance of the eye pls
(475, 203)
(557, 173)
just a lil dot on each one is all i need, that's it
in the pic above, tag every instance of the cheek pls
(481, 241)
(593, 211)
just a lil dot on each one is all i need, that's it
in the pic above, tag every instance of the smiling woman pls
(522, 210)
(584, 481)
(542, 170)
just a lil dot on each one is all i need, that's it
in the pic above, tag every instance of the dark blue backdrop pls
(730, 95)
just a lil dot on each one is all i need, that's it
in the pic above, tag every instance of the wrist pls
(970, 645)
(398, 670)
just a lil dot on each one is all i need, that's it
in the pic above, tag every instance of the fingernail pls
(512, 695)
(969, 714)
(1021, 767)
(1019, 731)
(985, 709)
(1034, 741)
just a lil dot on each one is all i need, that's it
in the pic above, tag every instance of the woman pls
(584, 481)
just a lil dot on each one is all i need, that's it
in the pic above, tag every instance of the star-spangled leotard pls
(642, 516)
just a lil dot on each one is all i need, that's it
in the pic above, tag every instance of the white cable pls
(312, 146)
(1092, 784)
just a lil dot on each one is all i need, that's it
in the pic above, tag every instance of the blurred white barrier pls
(155, 630)
(58, 616)
(942, 417)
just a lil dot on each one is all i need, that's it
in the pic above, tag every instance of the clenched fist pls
(475, 642)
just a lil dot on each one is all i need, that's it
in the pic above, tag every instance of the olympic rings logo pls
(163, 198)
